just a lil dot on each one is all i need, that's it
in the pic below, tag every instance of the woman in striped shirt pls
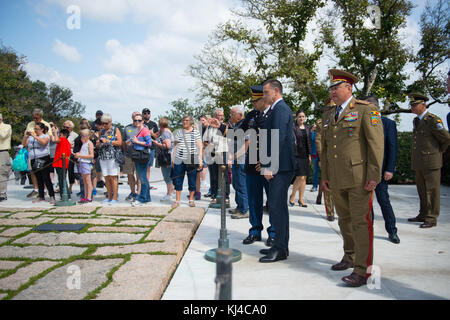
(187, 156)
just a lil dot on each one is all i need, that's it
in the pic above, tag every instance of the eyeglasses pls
(146, 113)
(66, 127)
(105, 123)
(140, 120)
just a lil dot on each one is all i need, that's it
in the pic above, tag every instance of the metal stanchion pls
(220, 195)
(65, 195)
(223, 274)
(223, 239)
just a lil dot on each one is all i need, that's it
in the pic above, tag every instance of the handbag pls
(119, 157)
(141, 156)
(191, 165)
(163, 157)
(38, 164)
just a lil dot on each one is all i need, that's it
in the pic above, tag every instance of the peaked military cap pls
(416, 98)
(257, 92)
(340, 76)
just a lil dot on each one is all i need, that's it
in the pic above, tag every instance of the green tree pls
(181, 108)
(239, 54)
(434, 52)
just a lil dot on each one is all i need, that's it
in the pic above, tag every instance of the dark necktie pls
(338, 110)
(416, 122)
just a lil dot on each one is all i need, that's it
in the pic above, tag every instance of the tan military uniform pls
(328, 198)
(430, 141)
(352, 149)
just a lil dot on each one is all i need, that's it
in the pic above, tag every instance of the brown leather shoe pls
(343, 265)
(416, 219)
(427, 225)
(355, 280)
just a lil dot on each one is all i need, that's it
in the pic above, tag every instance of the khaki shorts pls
(128, 167)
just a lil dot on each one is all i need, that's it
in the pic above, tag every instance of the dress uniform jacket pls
(352, 154)
(352, 147)
(430, 140)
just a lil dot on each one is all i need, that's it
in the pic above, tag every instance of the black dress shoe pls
(330, 218)
(355, 280)
(426, 225)
(274, 255)
(416, 219)
(266, 252)
(394, 238)
(270, 242)
(250, 239)
(343, 265)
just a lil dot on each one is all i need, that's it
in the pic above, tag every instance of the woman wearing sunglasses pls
(141, 142)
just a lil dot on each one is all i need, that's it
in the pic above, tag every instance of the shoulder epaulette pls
(362, 102)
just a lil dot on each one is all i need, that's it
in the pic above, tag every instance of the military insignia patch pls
(439, 124)
(350, 117)
(374, 117)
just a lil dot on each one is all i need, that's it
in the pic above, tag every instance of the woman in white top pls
(187, 156)
(37, 142)
(85, 157)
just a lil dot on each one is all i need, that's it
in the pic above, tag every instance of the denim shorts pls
(179, 171)
(166, 172)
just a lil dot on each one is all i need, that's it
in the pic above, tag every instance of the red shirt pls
(62, 147)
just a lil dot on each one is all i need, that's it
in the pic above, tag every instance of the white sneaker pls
(138, 204)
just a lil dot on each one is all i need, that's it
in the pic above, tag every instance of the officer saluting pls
(430, 141)
(255, 181)
(352, 157)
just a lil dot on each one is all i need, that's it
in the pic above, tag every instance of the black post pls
(223, 274)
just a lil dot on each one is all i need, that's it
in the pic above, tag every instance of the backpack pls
(20, 162)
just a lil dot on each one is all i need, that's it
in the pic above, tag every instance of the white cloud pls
(67, 52)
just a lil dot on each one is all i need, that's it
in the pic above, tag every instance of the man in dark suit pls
(387, 172)
(279, 170)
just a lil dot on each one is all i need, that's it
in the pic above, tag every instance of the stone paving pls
(122, 253)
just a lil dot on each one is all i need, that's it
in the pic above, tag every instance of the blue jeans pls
(255, 187)
(178, 173)
(315, 176)
(141, 169)
(240, 186)
(386, 209)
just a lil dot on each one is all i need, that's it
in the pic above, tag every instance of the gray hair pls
(70, 123)
(239, 109)
(106, 117)
(38, 111)
(217, 110)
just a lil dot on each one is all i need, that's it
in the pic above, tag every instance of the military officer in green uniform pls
(430, 141)
(328, 198)
(352, 157)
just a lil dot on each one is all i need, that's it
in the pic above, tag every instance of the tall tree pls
(375, 54)
(434, 52)
(263, 41)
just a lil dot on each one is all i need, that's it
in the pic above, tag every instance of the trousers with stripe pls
(354, 209)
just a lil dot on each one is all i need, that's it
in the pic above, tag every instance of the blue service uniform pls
(256, 182)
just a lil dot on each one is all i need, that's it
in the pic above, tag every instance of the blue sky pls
(128, 53)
